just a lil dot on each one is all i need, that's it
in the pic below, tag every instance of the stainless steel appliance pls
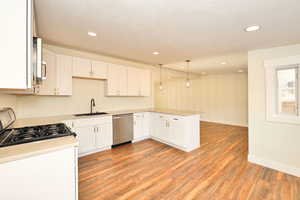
(22, 135)
(36, 68)
(39, 72)
(122, 128)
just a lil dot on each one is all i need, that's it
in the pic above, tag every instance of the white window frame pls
(271, 68)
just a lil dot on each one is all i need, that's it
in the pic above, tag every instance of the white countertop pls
(60, 118)
(16, 152)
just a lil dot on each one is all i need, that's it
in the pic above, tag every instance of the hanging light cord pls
(188, 69)
(160, 67)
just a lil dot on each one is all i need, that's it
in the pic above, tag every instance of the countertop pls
(21, 151)
(60, 118)
(16, 152)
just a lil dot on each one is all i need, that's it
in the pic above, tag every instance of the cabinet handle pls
(175, 119)
(72, 124)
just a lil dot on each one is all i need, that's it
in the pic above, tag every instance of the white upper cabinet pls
(82, 67)
(85, 68)
(145, 83)
(15, 48)
(139, 82)
(117, 80)
(99, 70)
(59, 75)
(133, 85)
(64, 75)
(128, 81)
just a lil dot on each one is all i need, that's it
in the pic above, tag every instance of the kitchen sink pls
(90, 114)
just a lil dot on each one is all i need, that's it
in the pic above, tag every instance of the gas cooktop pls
(34, 133)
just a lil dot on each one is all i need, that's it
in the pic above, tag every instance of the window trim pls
(271, 86)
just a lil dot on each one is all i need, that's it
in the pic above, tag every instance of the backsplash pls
(79, 102)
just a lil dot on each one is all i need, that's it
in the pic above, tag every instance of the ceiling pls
(208, 32)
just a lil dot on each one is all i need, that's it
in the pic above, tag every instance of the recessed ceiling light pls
(155, 53)
(240, 71)
(93, 34)
(223, 63)
(252, 28)
(203, 73)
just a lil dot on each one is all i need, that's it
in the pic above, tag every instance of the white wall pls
(219, 98)
(8, 101)
(276, 145)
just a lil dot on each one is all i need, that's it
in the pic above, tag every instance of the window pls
(282, 90)
(287, 91)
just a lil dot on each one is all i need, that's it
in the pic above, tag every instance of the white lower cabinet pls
(47, 176)
(86, 138)
(141, 129)
(181, 132)
(104, 137)
(93, 134)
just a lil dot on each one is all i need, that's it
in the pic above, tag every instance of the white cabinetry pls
(15, 48)
(81, 67)
(179, 131)
(59, 75)
(134, 84)
(139, 82)
(94, 134)
(99, 70)
(117, 80)
(90, 69)
(47, 176)
(141, 129)
(128, 81)
(104, 137)
(145, 83)
(86, 138)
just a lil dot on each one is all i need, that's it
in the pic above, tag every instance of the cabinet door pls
(138, 126)
(99, 70)
(176, 131)
(146, 124)
(123, 80)
(113, 81)
(160, 128)
(133, 84)
(117, 80)
(64, 75)
(35, 175)
(145, 83)
(104, 136)
(82, 68)
(48, 86)
(86, 138)
(13, 40)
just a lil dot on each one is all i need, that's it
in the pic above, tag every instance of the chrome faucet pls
(92, 105)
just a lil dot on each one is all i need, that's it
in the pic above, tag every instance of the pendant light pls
(188, 81)
(160, 81)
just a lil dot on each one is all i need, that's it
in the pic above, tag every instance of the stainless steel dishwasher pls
(122, 128)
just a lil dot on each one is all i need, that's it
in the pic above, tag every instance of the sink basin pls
(91, 114)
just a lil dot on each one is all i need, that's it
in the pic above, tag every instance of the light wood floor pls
(217, 171)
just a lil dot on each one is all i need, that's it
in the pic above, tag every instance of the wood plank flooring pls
(218, 170)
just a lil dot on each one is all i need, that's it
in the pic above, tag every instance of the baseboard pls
(275, 165)
(226, 123)
(141, 138)
(94, 151)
